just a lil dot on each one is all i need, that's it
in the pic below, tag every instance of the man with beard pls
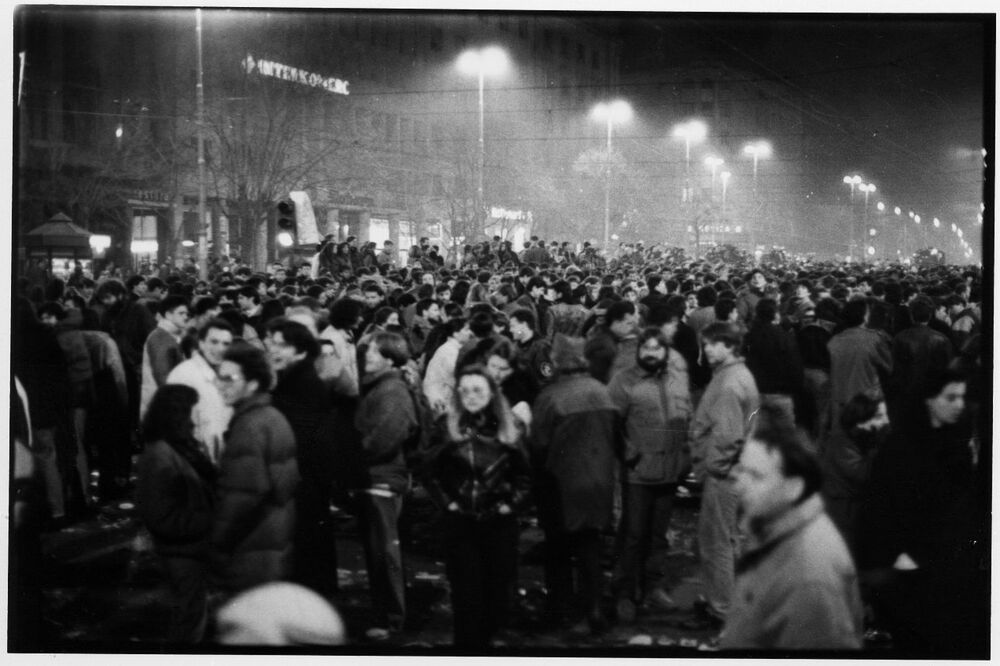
(718, 430)
(302, 397)
(211, 414)
(654, 403)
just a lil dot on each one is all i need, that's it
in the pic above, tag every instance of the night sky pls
(900, 100)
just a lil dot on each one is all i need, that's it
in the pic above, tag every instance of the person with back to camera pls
(176, 482)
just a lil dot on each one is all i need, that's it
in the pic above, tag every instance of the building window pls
(546, 40)
(436, 39)
(595, 60)
(563, 47)
(503, 24)
(708, 108)
(522, 28)
(580, 53)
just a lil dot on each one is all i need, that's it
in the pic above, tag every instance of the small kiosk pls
(61, 243)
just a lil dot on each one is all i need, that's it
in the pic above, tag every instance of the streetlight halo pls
(488, 61)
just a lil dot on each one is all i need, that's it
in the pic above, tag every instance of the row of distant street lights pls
(492, 61)
(856, 182)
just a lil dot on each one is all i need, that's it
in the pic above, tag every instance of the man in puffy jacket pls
(654, 402)
(718, 430)
(258, 477)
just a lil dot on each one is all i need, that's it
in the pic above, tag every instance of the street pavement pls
(104, 591)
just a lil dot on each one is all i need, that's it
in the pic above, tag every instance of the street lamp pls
(692, 131)
(489, 61)
(758, 150)
(713, 163)
(617, 111)
(852, 181)
(724, 176)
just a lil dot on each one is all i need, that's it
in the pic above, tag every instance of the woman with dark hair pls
(847, 459)
(478, 473)
(919, 527)
(341, 263)
(175, 497)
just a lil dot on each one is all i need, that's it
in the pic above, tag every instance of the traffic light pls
(287, 228)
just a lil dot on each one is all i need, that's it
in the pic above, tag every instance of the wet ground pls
(104, 591)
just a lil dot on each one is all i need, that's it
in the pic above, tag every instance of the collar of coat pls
(766, 535)
(261, 399)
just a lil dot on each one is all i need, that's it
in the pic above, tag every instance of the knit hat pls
(279, 614)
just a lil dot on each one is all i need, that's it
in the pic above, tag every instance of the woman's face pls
(474, 393)
(947, 406)
(499, 369)
(392, 320)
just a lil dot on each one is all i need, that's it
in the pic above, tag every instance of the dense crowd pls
(829, 413)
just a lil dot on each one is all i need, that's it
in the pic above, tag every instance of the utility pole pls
(202, 225)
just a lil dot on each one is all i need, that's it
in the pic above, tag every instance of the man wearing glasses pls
(258, 477)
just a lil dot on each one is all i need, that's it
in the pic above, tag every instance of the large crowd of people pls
(831, 415)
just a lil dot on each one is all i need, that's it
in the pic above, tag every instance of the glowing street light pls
(758, 150)
(724, 176)
(617, 111)
(937, 223)
(489, 61)
(692, 131)
(713, 163)
(853, 181)
(880, 206)
(897, 210)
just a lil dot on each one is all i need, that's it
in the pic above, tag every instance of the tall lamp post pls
(617, 111)
(489, 61)
(758, 150)
(691, 131)
(713, 162)
(724, 177)
(853, 181)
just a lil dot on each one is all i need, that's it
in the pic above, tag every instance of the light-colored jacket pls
(655, 411)
(796, 587)
(723, 419)
(439, 381)
(211, 414)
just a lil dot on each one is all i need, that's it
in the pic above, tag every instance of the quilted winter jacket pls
(255, 514)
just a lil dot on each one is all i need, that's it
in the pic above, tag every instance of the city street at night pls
(501, 332)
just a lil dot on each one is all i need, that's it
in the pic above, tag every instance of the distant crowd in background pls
(831, 414)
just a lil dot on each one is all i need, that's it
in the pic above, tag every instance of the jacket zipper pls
(472, 464)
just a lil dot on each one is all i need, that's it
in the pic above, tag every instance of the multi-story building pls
(366, 112)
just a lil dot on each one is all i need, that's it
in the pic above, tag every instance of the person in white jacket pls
(439, 380)
(211, 414)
